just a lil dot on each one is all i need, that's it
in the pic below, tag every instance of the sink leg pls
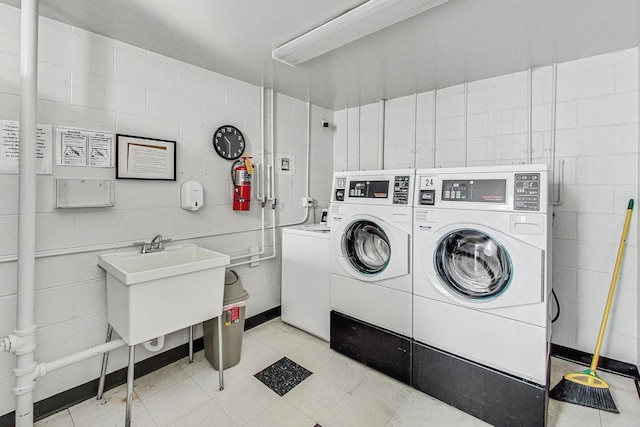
(220, 361)
(127, 419)
(191, 344)
(105, 360)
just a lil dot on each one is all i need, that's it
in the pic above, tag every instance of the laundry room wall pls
(596, 136)
(91, 82)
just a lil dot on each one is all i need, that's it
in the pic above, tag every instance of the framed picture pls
(138, 157)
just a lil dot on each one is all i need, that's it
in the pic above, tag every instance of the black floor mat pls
(283, 376)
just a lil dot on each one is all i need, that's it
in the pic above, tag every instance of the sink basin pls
(153, 294)
(133, 267)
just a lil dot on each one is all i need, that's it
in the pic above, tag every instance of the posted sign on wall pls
(10, 148)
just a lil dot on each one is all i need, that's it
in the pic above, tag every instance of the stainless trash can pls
(233, 312)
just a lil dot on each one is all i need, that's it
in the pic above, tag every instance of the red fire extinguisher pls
(241, 171)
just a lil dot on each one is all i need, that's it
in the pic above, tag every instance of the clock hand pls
(228, 142)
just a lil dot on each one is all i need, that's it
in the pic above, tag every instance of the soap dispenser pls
(191, 195)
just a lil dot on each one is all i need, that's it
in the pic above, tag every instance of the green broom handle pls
(612, 287)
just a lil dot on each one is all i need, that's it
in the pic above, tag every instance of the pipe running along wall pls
(25, 322)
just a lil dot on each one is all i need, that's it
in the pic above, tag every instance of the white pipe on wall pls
(48, 367)
(433, 130)
(530, 117)
(415, 129)
(556, 196)
(26, 328)
(466, 121)
(381, 111)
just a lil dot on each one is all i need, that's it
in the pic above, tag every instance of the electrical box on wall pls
(191, 196)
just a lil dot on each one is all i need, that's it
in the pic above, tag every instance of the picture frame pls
(139, 157)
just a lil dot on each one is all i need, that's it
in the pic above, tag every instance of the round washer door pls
(367, 247)
(473, 265)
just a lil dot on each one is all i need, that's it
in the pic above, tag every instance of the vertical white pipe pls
(466, 120)
(307, 177)
(25, 330)
(415, 129)
(359, 139)
(434, 134)
(556, 195)
(381, 111)
(530, 118)
(273, 151)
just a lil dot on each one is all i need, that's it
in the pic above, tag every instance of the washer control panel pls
(527, 192)
(401, 190)
(383, 189)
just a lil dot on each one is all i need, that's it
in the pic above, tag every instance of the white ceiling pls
(461, 40)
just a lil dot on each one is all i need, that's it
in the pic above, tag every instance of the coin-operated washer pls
(371, 217)
(482, 282)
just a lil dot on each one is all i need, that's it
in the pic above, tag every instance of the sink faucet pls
(156, 245)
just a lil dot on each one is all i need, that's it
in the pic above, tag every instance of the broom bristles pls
(580, 394)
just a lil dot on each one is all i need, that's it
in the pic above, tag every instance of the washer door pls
(371, 249)
(480, 267)
(472, 264)
(366, 246)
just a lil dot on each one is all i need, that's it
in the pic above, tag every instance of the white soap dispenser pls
(191, 195)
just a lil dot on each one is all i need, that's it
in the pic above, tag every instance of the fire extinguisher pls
(241, 171)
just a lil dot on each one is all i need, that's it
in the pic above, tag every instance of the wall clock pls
(228, 142)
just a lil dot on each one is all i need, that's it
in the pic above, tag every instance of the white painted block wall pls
(92, 82)
(596, 136)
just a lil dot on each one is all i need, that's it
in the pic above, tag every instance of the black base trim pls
(492, 396)
(604, 363)
(382, 350)
(261, 318)
(75, 395)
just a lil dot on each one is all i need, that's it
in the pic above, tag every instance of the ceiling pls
(461, 40)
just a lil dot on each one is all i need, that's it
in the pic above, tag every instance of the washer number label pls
(426, 182)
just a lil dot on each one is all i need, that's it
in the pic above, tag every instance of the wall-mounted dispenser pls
(191, 196)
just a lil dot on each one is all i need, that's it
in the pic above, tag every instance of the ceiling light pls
(369, 17)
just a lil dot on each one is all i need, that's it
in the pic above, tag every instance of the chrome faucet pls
(156, 245)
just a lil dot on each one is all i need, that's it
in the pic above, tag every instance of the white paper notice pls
(84, 148)
(10, 148)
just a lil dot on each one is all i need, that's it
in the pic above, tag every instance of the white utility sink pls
(153, 294)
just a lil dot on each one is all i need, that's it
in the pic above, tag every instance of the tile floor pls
(340, 392)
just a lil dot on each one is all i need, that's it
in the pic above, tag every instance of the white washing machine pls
(482, 281)
(371, 218)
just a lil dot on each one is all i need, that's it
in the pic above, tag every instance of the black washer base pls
(382, 350)
(491, 396)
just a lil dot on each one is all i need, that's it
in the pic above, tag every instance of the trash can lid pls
(233, 290)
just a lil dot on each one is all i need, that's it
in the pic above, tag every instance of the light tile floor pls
(340, 392)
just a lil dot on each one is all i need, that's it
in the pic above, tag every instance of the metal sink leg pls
(127, 419)
(105, 360)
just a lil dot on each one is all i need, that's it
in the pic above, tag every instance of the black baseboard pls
(261, 318)
(378, 348)
(73, 396)
(604, 363)
(492, 396)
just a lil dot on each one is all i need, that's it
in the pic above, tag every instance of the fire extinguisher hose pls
(233, 180)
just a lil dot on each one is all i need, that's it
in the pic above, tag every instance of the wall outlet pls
(307, 201)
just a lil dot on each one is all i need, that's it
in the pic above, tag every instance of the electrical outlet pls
(307, 201)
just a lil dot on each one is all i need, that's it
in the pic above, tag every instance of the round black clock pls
(228, 142)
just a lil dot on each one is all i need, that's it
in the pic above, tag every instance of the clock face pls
(228, 142)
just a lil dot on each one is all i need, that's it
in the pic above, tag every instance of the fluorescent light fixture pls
(369, 17)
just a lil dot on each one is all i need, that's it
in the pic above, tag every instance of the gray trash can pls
(233, 309)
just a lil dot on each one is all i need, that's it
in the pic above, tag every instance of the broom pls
(586, 388)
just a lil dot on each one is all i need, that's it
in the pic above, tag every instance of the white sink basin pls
(153, 294)
(133, 267)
